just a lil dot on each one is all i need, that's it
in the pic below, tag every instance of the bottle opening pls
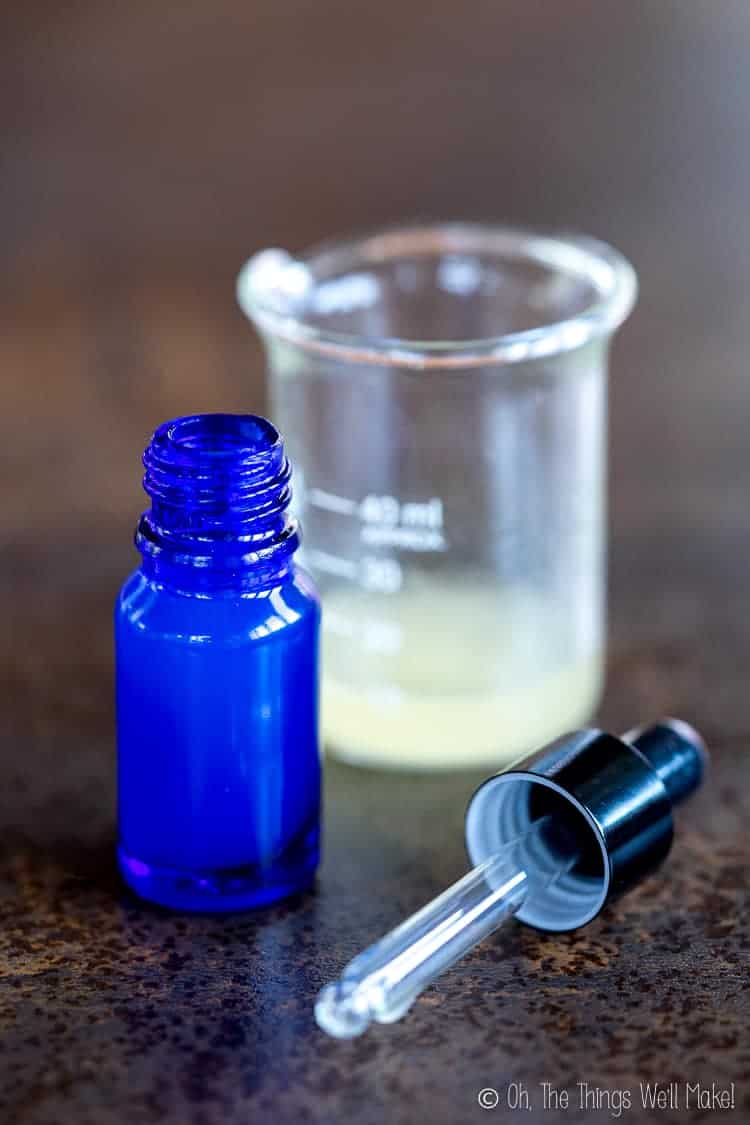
(241, 435)
(220, 492)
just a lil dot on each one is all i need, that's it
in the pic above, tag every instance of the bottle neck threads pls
(220, 491)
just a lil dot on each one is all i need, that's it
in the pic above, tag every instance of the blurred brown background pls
(147, 149)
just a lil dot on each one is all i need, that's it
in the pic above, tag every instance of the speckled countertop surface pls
(149, 147)
(113, 1012)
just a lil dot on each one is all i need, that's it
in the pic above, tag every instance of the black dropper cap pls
(676, 752)
(612, 797)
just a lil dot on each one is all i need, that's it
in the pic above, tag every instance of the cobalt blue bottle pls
(217, 676)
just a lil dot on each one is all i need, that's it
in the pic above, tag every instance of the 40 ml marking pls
(386, 521)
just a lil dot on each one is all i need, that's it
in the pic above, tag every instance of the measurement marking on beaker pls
(381, 575)
(386, 521)
(414, 525)
(330, 502)
(405, 538)
(332, 564)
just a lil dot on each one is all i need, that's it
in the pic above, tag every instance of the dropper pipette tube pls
(553, 840)
(382, 982)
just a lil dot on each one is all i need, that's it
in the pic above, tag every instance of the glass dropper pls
(553, 840)
(382, 982)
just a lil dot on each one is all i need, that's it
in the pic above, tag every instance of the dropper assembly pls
(553, 840)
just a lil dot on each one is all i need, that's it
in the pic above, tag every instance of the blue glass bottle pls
(217, 676)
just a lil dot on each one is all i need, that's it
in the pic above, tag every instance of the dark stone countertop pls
(112, 1011)
(148, 148)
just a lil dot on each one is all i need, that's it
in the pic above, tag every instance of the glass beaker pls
(442, 393)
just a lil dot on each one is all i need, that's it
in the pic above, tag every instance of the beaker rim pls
(272, 281)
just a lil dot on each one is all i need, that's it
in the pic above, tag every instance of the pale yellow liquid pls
(444, 677)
